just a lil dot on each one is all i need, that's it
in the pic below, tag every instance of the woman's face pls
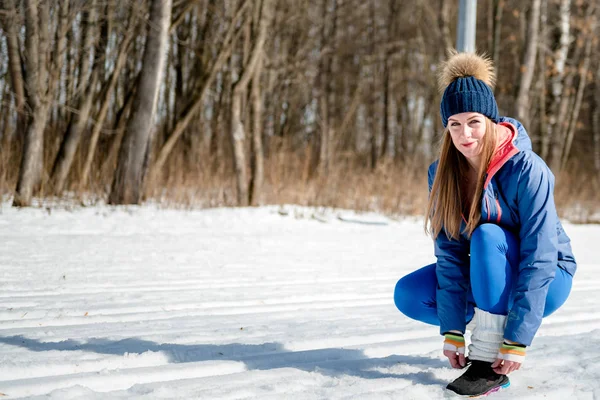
(467, 131)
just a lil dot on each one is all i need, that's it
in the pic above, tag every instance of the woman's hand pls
(457, 360)
(505, 367)
(454, 349)
(510, 357)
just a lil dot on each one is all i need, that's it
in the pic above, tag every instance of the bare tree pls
(257, 157)
(85, 94)
(557, 85)
(386, 81)
(322, 151)
(498, 11)
(371, 103)
(239, 87)
(128, 183)
(528, 66)
(197, 102)
(10, 26)
(333, 86)
(107, 94)
(583, 75)
(42, 79)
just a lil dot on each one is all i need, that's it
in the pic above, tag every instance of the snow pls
(256, 303)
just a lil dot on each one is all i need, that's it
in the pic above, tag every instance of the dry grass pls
(577, 195)
(350, 184)
(393, 188)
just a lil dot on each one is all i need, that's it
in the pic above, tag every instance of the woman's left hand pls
(505, 367)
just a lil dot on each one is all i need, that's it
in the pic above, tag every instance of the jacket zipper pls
(499, 211)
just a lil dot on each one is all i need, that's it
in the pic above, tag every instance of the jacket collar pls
(505, 150)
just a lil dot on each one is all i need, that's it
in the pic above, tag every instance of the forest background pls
(330, 103)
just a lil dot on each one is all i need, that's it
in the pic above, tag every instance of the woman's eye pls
(454, 124)
(475, 121)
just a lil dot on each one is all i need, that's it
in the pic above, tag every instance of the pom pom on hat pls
(462, 65)
(467, 80)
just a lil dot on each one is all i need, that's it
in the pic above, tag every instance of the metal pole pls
(467, 15)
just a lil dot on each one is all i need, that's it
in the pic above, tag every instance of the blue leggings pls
(493, 266)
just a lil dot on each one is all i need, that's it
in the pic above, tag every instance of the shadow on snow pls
(331, 362)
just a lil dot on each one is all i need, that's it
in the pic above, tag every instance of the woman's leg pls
(494, 259)
(559, 291)
(494, 265)
(415, 295)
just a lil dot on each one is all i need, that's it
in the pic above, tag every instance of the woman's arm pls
(452, 271)
(538, 249)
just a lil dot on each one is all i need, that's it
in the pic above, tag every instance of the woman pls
(503, 258)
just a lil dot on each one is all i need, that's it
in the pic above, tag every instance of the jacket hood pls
(522, 142)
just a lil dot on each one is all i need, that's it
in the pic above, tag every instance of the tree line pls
(129, 99)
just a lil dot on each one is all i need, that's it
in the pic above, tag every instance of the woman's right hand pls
(454, 349)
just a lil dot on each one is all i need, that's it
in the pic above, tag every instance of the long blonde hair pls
(446, 202)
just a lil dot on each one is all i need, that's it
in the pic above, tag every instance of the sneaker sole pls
(494, 390)
(449, 394)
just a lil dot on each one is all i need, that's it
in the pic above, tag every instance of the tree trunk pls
(528, 66)
(343, 138)
(239, 155)
(214, 150)
(322, 160)
(445, 25)
(596, 124)
(31, 163)
(386, 84)
(237, 127)
(566, 103)
(106, 97)
(127, 187)
(372, 118)
(498, 11)
(583, 73)
(66, 153)
(386, 108)
(542, 82)
(257, 156)
(119, 131)
(192, 110)
(6, 148)
(557, 81)
(85, 95)
(10, 26)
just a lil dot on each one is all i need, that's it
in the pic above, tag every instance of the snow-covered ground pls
(143, 303)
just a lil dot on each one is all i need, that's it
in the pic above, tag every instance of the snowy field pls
(141, 303)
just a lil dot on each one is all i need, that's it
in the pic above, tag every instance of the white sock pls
(471, 325)
(487, 337)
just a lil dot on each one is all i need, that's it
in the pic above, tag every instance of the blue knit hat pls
(467, 80)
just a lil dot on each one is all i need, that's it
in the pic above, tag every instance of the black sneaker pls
(479, 380)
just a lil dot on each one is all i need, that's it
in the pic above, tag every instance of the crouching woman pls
(503, 259)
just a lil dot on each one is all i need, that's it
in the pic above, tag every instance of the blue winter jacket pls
(518, 196)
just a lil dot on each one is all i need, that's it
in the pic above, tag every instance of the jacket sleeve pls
(452, 272)
(538, 254)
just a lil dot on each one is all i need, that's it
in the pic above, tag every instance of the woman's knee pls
(558, 292)
(494, 257)
(402, 296)
(486, 235)
(488, 242)
(415, 292)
